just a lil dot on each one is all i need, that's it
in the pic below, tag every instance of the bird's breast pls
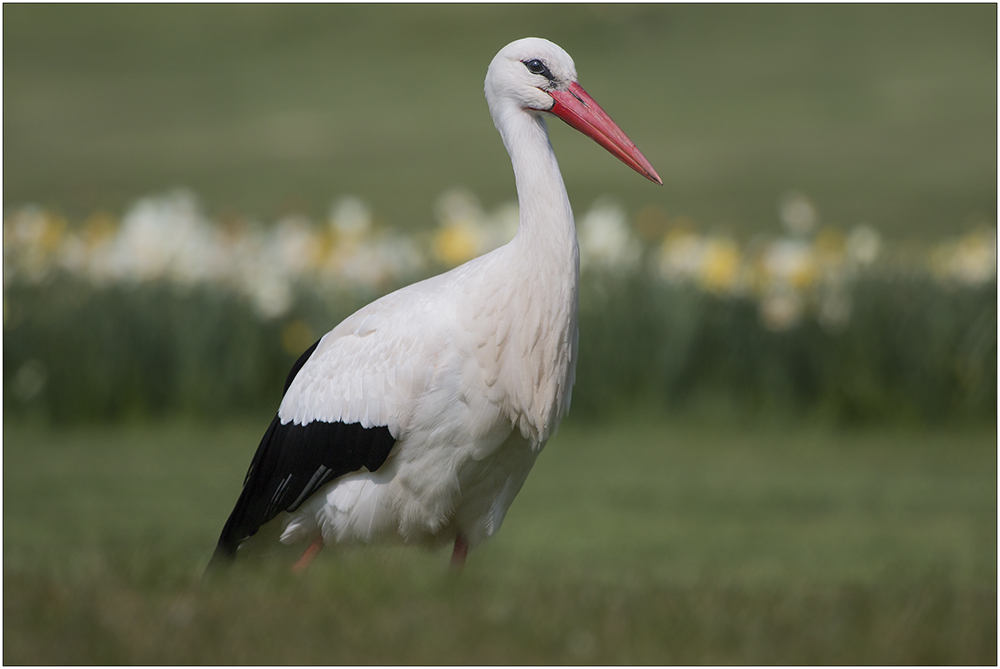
(524, 336)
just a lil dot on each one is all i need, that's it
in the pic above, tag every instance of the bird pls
(418, 418)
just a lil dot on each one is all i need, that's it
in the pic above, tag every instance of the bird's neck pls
(541, 278)
(546, 219)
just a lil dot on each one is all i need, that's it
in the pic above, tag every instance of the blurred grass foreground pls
(696, 544)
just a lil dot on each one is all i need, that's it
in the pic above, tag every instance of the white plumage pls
(469, 372)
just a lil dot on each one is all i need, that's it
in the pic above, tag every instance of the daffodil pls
(970, 260)
(720, 265)
(605, 238)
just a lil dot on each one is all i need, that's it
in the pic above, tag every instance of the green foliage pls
(134, 351)
(912, 350)
(137, 351)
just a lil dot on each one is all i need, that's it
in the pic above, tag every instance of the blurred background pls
(790, 347)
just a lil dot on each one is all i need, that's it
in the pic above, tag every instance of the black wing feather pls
(294, 461)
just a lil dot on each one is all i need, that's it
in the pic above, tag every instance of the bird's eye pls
(536, 66)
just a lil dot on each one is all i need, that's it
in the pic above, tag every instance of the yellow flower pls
(791, 262)
(52, 233)
(98, 228)
(830, 247)
(456, 243)
(324, 246)
(720, 265)
(971, 260)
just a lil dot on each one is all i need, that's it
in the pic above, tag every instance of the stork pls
(419, 417)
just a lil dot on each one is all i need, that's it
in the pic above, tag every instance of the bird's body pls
(419, 416)
(457, 380)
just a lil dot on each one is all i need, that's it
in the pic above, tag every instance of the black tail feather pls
(292, 462)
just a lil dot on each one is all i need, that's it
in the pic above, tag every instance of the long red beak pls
(580, 110)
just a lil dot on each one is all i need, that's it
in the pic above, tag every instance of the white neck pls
(546, 218)
(541, 270)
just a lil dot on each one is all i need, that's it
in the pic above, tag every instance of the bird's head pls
(536, 75)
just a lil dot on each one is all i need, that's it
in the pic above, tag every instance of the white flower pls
(680, 255)
(605, 238)
(798, 214)
(32, 241)
(294, 245)
(163, 237)
(971, 260)
(350, 217)
(781, 309)
(466, 231)
(377, 262)
(714, 262)
(863, 245)
(271, 293)
(789, 262)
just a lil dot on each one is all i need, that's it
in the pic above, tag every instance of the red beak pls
(578, 109)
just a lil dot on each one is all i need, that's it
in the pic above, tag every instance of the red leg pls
(459, 554)
(314, 548)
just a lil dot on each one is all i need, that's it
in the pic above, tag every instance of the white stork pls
(419, 417)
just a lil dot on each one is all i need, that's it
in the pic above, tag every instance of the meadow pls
(782, 446)
(645, 541)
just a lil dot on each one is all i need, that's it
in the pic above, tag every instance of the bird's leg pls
(459, 554)
(314, 548)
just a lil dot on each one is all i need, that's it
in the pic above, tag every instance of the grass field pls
(631, 543)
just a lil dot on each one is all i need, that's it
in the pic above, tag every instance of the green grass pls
(881, 114)
(639, 542)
